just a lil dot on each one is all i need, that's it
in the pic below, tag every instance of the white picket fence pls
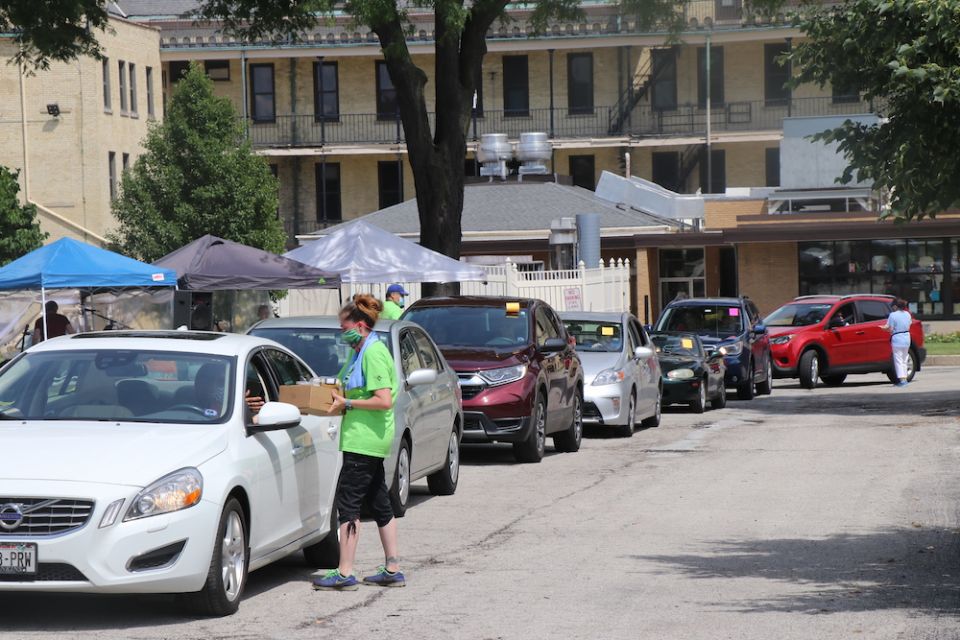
(605, 288)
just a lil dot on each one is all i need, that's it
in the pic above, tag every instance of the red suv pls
(519, 373)
(828, 337)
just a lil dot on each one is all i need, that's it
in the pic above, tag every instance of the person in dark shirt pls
(57, 324)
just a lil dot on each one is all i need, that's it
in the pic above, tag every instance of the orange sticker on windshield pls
(686, 343)
(513, 307)
(606, 331)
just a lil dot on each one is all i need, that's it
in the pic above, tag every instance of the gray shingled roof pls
(145, 9)
(517, 207)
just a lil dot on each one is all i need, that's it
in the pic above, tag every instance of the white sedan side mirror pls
(421, 377)
(277, 415)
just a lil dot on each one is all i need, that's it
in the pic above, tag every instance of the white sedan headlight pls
(503, 376)
(680, 374)
(608, 376)
(173, 492)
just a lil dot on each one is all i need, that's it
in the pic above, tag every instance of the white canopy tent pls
(363, 253)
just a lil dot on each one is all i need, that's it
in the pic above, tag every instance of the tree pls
(53, 29)
(904, 55)
(198, 175)
(21, 230)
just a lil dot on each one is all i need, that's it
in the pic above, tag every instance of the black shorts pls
(362, 481)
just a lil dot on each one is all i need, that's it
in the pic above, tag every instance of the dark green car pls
(691, 376)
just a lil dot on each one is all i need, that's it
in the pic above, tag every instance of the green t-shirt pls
(367, 431)
(391, 310)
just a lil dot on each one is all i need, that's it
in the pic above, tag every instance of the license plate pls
(19, 558)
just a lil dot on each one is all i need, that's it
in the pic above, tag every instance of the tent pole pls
(43, 309)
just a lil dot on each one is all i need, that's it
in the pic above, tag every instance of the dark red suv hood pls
(475, 359)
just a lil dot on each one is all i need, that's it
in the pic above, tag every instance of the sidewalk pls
(942, 361)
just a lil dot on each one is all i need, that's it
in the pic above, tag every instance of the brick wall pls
(768, 273)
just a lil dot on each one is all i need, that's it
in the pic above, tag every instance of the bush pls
(943, 338)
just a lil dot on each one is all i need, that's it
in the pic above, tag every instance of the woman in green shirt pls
(366, 435)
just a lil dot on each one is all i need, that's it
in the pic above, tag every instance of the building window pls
(328, 192)
(133, 88)
(262, 96)
(326, 92)
(666, 169)
(583, 171)
(178, 69)
(125, 162)
(516, 87)
(681, 274)
(842, 95)
(664, 75)
(148, 72)
(217, 70)
(775, 75)
(773, 166)
(387, 106)
(716, 76)
(580, 83)
(390, 182)
(912, 269)
(112, 173)
(718, 171)
(471, 168)
(123, 86)
(107, 101)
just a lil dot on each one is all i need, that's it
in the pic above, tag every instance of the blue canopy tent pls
(70, 264)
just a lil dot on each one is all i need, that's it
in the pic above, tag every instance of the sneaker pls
(384, 578)
(333, 581)
(902, 383)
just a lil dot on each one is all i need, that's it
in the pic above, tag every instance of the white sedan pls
(139, 469)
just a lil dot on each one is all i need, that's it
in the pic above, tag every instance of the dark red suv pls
(827, 337)
(519, 373)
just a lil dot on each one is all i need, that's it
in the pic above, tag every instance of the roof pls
(599, 316)
(704, 302)
(227, 344)
(141, 9)
(472, 301)
(526, 209)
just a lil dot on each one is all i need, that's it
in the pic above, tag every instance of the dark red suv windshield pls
(798, 315)
(473, 326)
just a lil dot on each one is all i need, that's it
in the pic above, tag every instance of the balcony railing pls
(560, 123)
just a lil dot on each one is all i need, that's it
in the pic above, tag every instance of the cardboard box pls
(314, 399)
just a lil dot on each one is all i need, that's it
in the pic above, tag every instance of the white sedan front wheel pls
(227, 575)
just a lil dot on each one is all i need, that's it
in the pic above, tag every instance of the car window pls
(639, 334)
(409, 360)
(873, 310)
(677, 344)
(718, 320)
(846, 313)
(753, 312)
(257, 380)
(473, 326)
(595, 335)
(428, 355)
(321, 348)
(798, 314)
(287, 368)
(545, 328)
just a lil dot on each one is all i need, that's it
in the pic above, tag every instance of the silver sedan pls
(621, 373)
(428, 412)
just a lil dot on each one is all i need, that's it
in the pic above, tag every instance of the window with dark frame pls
(387, 106)
(326, 92)
(772, 157)
(775, 76)
(148, 72)
(390, 182)
(217, 70)
(583, 171)
(716, 76)
(666, 169)
(516, 87)
(178, 69)
(132, 73)
(664, 74)
(580, 83)
(717, 171)
(263, 98)
(107, 98)
(329, 205)
(112, 174)
(842, 95)
(125, 162)
(122, 67)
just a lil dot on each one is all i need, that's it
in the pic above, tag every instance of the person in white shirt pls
(898, 324)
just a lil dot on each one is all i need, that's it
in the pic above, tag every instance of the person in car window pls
(898, 324)
(366, 435)
(208, 389)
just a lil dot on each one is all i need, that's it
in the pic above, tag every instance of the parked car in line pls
(520, 375)
(621, 373)
(735, 325)
(828, 337)
(691, 375)
(139, 468)
(427, 414)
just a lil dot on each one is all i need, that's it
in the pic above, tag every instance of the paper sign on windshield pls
(606, 331)
(513, 307)
(686, 343)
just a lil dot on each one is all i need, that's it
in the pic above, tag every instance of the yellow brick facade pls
(66, 167)
(768, 273)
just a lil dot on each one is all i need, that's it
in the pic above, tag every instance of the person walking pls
(393, 305)
(366, 435)
(898, 324)
(57, 324)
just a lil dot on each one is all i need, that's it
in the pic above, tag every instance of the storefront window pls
(681, 274)
(911, 269)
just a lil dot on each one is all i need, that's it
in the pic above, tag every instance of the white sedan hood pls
(125, 453)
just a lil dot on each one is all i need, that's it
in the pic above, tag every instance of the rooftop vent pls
(533, 152)
(493, 153)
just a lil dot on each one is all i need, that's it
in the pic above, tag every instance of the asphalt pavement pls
(823, 514)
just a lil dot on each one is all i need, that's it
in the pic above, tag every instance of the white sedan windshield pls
(116, 384)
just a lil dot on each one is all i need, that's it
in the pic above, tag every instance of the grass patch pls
(942, 348)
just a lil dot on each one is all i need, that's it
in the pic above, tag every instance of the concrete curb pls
(942, 361)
